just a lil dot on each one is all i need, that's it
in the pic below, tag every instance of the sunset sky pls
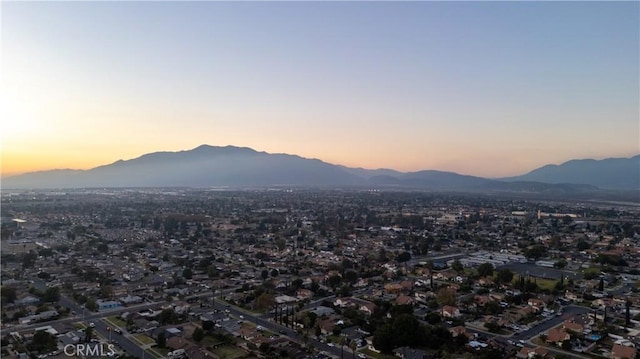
(482, 88)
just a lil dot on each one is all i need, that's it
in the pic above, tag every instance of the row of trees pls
(405, 330)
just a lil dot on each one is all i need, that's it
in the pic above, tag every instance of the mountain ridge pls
(208, 165)
(611, 173)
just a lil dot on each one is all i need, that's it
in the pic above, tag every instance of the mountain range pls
(207, 166)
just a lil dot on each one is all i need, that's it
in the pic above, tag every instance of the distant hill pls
(200, 167)
(208, 166)
(610, 173)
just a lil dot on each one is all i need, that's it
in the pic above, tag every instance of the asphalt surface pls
(568, 311)
(269, 325)
(541, 272)
(85, 316)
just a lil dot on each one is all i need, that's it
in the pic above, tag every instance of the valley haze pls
(206, 166)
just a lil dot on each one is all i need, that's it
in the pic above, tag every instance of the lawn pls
(210, 341)
(371, 353)
(144, 339)
(155, 353)
(470, 272)
(162, 351)
(592, 270)
(229, 352)
(548, 284)
(115, 321)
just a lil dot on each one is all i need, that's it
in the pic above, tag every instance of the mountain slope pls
(208, 166)
(203, 166)
(611, 173)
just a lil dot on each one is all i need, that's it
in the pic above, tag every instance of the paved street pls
(277, 328)
(541, 327)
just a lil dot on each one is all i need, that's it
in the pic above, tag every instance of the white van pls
(178, 353)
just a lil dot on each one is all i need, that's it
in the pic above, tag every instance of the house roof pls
(573, 326)
(556, 335)
(621, 351)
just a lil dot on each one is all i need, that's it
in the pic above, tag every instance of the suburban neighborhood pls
(316, 273)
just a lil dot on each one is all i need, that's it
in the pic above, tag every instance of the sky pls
(481, 88)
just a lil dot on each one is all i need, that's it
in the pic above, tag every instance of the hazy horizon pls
(258, 150)
(489, 89)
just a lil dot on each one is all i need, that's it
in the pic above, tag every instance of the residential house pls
(196, 352)
(131, 299)
(529, 353)
(367, 308)
(303, 294)
(393, 288)
(460, 330)
(620, 351)
(27, 301)
(410, 353)
(322, 310)
(404, 299)
(449, 311)
(557, 336)
(537, 304)
(107, 304)
(175, 343)
(326, 325)
(573, 327)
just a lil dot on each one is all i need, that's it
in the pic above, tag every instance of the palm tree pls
(353, 346)
(342, 343)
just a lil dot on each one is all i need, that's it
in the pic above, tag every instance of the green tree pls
(161, 341)
(168, 316)
(103, 248)
(334, 281)
(9, 294)
(404, 257)
(212, 271)
(264, 301)
(384, 339)
(582, 245)
(408, 330)
(88, 334)
(198, 335)
(106, 291)
(457, 266)
(492, 327)
(535, 252)
(485, 270)
(187, 273)
(446, 296)
(91, 304)
(29, 260)
(43, 342)
(351, 276)
(560, 263)
(504, 275)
